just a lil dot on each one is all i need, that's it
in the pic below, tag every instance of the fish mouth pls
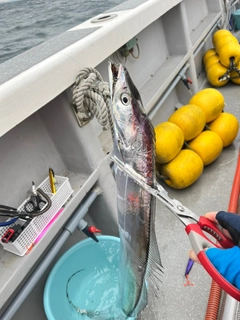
(119, 74)
(114, 71)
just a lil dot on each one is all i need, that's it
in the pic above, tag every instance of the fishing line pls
(89, 313)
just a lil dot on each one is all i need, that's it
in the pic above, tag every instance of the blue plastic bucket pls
(84, 282)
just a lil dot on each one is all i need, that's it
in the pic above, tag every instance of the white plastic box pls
(25, 240)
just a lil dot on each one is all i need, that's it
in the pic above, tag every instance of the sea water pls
(27, 23)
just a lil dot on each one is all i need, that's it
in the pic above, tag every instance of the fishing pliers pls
(35, 202)
(7, 211)
(194, 227)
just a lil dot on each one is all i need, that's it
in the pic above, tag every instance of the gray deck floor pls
(211, 192)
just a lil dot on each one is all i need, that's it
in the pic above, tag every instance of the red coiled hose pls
(215, 290)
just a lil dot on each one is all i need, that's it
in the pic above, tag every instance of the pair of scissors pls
(194, 227)
(35, 206)
(35, 202)
(6, 209)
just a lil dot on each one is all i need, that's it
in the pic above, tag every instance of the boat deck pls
(211, 192)
(82, 153)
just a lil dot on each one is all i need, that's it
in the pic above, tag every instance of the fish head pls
(126, 107)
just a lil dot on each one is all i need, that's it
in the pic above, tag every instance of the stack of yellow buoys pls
(193, 137)
(218, 60)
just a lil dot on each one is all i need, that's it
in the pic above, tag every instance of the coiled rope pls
(91, 96)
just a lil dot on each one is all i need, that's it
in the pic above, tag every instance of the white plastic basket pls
(24, 241)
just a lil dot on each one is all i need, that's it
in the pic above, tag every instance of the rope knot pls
(91, 96)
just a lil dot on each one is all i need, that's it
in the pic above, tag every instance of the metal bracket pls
(82, 118)
(128, 47)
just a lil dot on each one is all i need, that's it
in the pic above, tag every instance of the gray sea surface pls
(27, 23)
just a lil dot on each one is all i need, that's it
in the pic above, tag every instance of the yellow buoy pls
(229, 51)
(208, 54)
(211, 61)
(169, 141)
(215, 73)
(226, 125)
(208, 145)
(219, 34)
(191, 119)
(223, 40)
(235, 76)
(211, 101)
(183, 170)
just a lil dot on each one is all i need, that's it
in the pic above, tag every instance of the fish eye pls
(125, 99)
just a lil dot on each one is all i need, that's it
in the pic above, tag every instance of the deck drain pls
(104, 18)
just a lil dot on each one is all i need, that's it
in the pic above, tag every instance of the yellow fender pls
(211, 61)
(208, 54)
(228, 51)
(223, 40)
(235, 74)
(214, 73)
(219, 34)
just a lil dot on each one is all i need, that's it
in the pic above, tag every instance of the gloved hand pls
(226, 261)
(230, 222)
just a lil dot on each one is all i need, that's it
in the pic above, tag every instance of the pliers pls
(7, 211)
(194, 227)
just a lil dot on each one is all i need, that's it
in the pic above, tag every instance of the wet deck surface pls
(211, 192)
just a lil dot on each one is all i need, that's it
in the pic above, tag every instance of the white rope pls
(91, 96)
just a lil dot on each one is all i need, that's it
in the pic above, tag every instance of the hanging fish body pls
(134, 144)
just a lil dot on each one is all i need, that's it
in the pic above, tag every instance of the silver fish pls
(134, 145)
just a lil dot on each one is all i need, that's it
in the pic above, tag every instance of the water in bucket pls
(84, 283)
